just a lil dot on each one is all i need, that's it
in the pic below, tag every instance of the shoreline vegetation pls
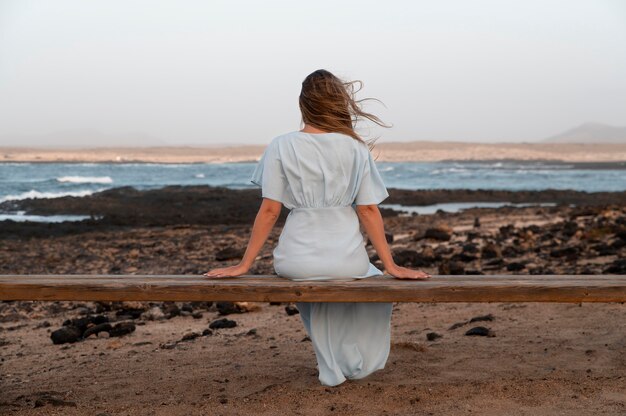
(419, 151)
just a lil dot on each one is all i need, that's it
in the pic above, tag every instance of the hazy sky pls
(230, 71)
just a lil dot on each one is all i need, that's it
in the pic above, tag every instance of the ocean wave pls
(85, 179)
(20, 217)
(45, 195)
(448, 170)
(199, 175)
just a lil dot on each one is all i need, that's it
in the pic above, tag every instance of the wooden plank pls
(490, 288)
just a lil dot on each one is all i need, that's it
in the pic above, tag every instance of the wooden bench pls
(258, 288)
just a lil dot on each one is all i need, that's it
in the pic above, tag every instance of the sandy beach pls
(421, 151)
(543, 359)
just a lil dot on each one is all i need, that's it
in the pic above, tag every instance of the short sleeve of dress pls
(269, 174)
(372, 189)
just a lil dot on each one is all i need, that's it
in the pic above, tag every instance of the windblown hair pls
(330, 104)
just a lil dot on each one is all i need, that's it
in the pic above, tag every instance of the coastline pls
(421, 151)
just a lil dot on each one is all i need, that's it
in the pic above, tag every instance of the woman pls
(326, 175)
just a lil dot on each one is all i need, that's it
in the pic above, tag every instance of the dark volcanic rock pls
(431, 336)
(129, 313)
(229, 253)
(122, 328)
(451, 268)
(617, 267)
(226, 308)
(291, 310)
(488, 317)
(170, 309)
(190, 336)
(66, 334)
(440, 233)
(96, 329)
(166, 206)
(222, 323)
(436, 196)
(568, 252)
(480, 331)
(408, 258)
(491, 251)
(464, 257)
(515, 266)
(569, 229)
(84, 322)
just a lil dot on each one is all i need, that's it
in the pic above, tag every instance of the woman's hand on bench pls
(400, 272)
(230, 271)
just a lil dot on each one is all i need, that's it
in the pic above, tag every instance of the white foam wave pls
(448, 170)
(85, 179)
(199, 175)
(20, 217)
(43, 195)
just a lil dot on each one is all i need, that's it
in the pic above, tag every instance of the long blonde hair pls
(330, 104)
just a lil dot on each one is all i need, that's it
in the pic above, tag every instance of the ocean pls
(49, 180)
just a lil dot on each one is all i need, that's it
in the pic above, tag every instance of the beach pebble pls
(440, 233)
(480, 331)
(66, 334)
(84, 322)
(229, 253)
(411, 258)
(190, 336)
(465, 257)
(515, 266)
(153, 314)
(122, 328)
(432, 336)
(617, 267)
(567, 252)
(452, 268)
(226, 308)
(491, 251)
(168, 345)
(222, 323)
(291, 310)
(170, 309)
(96, 329)
(488, 317)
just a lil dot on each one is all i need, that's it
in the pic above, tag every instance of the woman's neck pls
(310, 129)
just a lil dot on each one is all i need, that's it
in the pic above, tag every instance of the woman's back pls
(319, 170)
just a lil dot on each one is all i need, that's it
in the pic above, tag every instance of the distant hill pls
(79, 138)
(590, 133)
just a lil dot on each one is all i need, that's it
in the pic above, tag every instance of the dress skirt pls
(350, 339)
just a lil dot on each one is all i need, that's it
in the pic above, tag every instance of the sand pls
(546, 359)
(384, 151)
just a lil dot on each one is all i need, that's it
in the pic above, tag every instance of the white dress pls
(320, 177)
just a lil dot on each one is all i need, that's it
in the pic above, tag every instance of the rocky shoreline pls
(131, 230)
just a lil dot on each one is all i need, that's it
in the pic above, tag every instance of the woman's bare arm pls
(263, 224)
(372, 221)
